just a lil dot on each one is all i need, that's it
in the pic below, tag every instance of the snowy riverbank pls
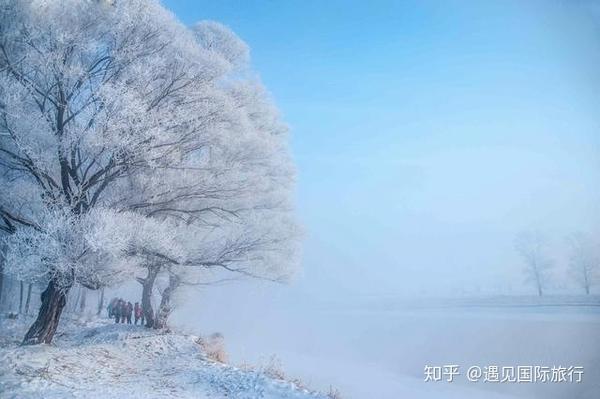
(102, 360)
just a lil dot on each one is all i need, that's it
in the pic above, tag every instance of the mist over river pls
(379, 348)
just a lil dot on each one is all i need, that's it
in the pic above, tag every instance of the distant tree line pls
(583, 265)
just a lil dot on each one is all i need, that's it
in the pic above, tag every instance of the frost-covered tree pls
(264, 248)
(583, 260)
(84, 85)
(531, 246)
(233, 211)
(118, 128)
(65, 248)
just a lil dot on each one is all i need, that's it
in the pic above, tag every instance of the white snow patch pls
(101, 360)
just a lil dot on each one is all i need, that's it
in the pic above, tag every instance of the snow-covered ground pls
(103, 360)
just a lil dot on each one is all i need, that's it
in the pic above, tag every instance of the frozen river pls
(381, 352)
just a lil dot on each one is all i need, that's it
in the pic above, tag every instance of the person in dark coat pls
(118, 310)
(128, 311)
(138, 313)
(111, 308)
(123, 311)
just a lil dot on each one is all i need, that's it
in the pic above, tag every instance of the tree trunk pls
(28, 300)
(100, 302)
(82, 300)
(21, 293)
(147, 286)
(1, 278)
(72, 308)
(586, 281)
(538, 279)
(164, 310)
(54, 299)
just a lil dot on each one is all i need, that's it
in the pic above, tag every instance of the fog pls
(427, 135)
(370, 351)
(441, 180)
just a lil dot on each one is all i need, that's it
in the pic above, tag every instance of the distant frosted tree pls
(583, 260)
(531, 246)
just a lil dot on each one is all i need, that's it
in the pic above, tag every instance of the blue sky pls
(427, 134)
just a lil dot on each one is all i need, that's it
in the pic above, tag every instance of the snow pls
(101, 360)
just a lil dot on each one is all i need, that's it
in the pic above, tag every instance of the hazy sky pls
(427, 134)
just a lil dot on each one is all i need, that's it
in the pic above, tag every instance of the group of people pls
(122, 311)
